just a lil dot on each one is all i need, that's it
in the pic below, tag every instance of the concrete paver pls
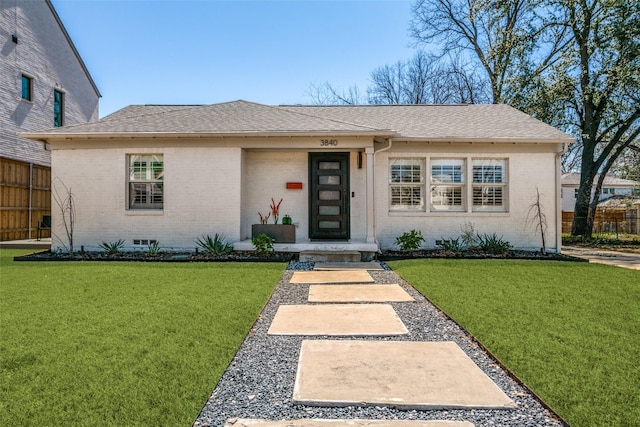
(337, 319)
(599, 256)
(358, 293)
(404, 374)
(315, 277)
(370, 265)
(234, 422)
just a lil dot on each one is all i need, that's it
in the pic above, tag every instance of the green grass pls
(123, 344)
(571, 331)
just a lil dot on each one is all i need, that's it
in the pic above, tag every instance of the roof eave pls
(507, 140)
(45, 137)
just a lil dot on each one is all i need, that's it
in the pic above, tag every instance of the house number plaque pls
(328, 142)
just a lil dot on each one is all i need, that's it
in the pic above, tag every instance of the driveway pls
(618, 259)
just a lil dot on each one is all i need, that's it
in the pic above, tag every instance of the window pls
(406, 182)
(58, 108)
(489, 185)
(27, 88)
(609, 191)
(447, 184)
(146, 176)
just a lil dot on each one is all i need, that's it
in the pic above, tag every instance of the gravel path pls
(259, 381)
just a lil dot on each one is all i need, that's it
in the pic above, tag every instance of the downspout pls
(375, 226)
(30, 197)
(558, 185)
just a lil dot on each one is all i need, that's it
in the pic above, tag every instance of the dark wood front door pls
(329, 196)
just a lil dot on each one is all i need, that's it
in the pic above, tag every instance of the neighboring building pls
(612, 186)
(349, 176)
(43, 83)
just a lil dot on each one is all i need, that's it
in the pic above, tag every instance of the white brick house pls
(367, 173)
(611, 186)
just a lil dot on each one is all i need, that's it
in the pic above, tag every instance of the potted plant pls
(280, 233)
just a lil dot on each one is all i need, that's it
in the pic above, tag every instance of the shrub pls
(112, 248)
(217, 245)
(410, 240)
(493, 244)
(453, 245)
(263, 244)
(153, 248)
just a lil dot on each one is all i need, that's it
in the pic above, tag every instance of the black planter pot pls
(280, 233)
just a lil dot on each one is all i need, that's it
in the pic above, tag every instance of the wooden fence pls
(25, 196)
(609, 221)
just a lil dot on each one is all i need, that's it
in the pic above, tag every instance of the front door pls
(329, 196)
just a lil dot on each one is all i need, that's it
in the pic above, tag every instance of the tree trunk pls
(582, 225)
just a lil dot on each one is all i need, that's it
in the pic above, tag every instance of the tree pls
(422, 79)
(425, 79)
(601, 90)
(326, 94)
(627, 166)
(571, 63)
(511, 40)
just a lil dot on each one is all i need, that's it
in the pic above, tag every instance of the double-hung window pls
(447, 184)
(489, 185)
(406, 182)
(27, 88)
(146, 181)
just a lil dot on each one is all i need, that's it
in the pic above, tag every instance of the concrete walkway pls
(325, 352)
(598, 256)
(43, 244)
(409, 375)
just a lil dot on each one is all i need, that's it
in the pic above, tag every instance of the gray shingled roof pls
(455, 122)
(424, 122)
(573, 179)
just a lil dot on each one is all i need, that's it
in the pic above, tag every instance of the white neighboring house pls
(44, 82)
(612, 186)
(355, 176)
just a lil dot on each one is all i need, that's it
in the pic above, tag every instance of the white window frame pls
(145, 182)
(489, 185)
(447, 191)
(406, 184)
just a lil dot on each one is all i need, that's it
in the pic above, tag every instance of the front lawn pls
(571, 331)
(124, 344)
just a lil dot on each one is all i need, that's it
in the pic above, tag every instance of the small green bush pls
(493, 244)
(153, 248)
(216, 245)
(410, 240)
(453, 245)
(112, 248)
(263, 244)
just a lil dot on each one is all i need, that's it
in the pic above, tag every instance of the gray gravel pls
(259, 381)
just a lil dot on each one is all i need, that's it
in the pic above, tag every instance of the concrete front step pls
(330, 256)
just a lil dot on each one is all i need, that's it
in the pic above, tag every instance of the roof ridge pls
(326, 118)
(147, 114)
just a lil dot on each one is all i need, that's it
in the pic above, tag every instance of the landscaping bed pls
(237, 256)
(390, 255)
(252, 256)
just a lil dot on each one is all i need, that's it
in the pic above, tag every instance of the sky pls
(210, 51)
